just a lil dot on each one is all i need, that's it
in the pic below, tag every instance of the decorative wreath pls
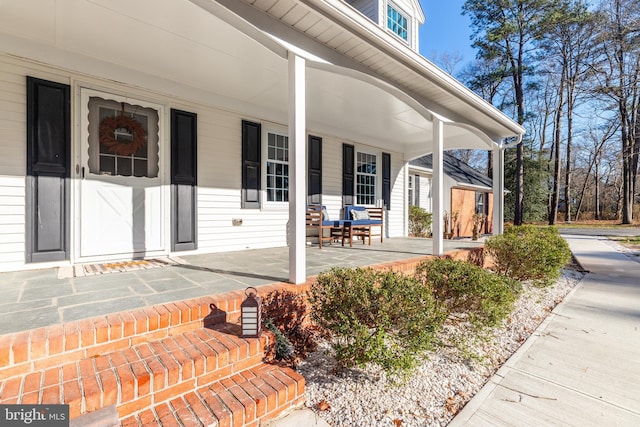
(108, 127)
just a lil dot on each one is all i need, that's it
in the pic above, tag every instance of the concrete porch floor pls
(36, 298)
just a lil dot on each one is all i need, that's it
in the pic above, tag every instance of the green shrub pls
(283, 347)
(419, 222)
(463, 287)
(378, 317)
(529, 253)
(287, 313)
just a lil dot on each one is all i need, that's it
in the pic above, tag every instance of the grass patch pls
(607, 224)
(631, 242)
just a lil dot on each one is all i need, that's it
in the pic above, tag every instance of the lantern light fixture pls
(250, 314)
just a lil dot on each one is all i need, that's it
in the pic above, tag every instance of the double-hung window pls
(410, 191)
(277, 167)
(366, 179)
(480, 208)
(397, 23)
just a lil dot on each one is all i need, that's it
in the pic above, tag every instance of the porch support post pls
(438, 187)
(297, 123)
(498, 189)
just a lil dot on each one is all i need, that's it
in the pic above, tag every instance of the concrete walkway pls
(582, 365)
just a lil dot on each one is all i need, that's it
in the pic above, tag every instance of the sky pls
(445, 30)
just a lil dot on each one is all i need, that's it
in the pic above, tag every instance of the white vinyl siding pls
(395, 218)
(332, 176)
(12, 222)
(425, 193)
(219, 189)
(13, 118)
(368, 8)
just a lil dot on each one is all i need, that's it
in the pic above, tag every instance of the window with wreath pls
(366, 179)
(397, 22)
(123, 139)
(277, 167)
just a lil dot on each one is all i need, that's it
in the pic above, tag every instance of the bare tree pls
(599, 139)
(619, 72)
(506, 29)
(566, 41)
(448, 61)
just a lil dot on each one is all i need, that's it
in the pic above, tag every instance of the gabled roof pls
(458, 170)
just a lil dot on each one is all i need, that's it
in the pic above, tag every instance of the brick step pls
(242, 400)
(32, 350)
(142, 375)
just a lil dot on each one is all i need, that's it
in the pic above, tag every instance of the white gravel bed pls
(445, 381)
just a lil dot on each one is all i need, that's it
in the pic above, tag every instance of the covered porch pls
(311, 68)
(47, 297)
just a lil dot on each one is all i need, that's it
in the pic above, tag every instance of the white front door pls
(120, 200)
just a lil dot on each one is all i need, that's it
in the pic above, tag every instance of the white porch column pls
(297, 130)
(437, 187)
(498, 190)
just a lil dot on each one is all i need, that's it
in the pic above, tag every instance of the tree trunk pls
(627, 144)
(557, 135)
(571, 85)
(597, 187)
(567, 174)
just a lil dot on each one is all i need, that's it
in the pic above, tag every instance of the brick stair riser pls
(26, 351)
(241, 400)
(136, 377)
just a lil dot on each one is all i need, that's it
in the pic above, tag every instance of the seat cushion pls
(366, 222)
(334, 223)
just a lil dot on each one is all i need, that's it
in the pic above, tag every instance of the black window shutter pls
(251, 172)
(348, 178)
(386, 180)
(184, 135)
(416, 190)
(48, 170)
(314, 185)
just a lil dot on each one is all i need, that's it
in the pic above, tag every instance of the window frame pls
(376, 184)
(480, 207)
(391, 6)
(93, 102)
(410, 194)
(282, 132)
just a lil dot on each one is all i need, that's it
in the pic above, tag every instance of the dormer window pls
(397, 22)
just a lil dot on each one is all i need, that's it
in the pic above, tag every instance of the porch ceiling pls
(220, 59)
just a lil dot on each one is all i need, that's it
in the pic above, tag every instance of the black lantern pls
(250, 314)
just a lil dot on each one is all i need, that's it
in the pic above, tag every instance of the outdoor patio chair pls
(364, 222)
(317, 218)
